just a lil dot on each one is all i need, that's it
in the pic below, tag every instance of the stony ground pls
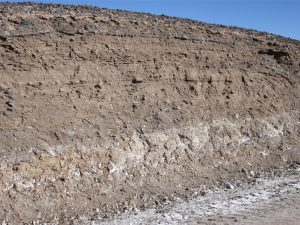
(103, 112)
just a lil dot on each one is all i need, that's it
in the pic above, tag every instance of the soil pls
(104, 111)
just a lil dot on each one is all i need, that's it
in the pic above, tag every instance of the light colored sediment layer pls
(65, 173)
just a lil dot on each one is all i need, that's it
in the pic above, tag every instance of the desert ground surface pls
(273, 201)
(107, 113)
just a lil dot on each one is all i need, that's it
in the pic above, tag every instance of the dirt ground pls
(267, 201)
(104, 112)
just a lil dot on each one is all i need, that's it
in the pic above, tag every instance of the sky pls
(274, 16)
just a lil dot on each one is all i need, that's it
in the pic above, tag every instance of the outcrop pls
(104, 111)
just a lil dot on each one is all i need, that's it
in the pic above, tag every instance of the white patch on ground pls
(220, 203)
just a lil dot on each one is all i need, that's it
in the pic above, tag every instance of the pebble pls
(236, 115)
(229, 186)
(6, 33)
(137, 80)
(3, 87)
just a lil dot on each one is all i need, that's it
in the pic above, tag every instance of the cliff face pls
(103, 111)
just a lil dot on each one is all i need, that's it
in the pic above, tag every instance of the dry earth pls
(105, 111)
(268, 201)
